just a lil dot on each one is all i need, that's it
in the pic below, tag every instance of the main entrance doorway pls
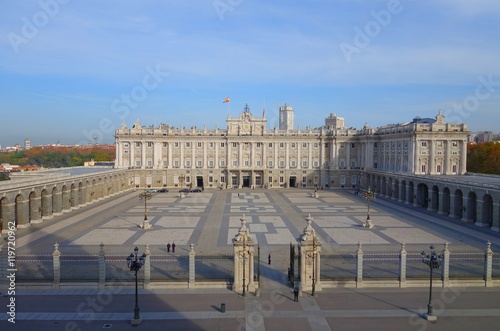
(246, 181)
(293, 181)
(199, 181)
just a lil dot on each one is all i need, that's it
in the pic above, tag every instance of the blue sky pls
(72, 70)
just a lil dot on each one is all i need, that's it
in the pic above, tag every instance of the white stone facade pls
(247, 154)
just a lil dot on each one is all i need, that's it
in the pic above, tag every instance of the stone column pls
(401, 188)
(496, 217)
(430, 199)
(463, 157)
(57, 267)
(432, 163)
(47, 206)
(132, 156)
(402, 266)
(35, 210)
(192, 272)
(9, 215)
(22, 213)
(143, 154)
(102, 268)
(75, 204)
(415, 195)
(57, 202)
(310, 254)
(359, 266)
(480, 221)
(446, 165)
(453, 206)
(465, 208)
(4, 281)
(243, 245)
(409, 194)
(441, 210)
(488, 265)
(445, 269)
(147, 269)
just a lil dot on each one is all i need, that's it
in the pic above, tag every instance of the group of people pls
(173, 247)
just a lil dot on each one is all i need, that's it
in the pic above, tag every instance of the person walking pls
(269, 259)
(296, 294)
(173, 247)
(168, 247)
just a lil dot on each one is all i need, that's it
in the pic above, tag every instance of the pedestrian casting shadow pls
(217, 308)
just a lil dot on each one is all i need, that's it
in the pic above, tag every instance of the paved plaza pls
(276, 218)
(210, 220)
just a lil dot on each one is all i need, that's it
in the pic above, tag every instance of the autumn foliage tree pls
(484, 158)
(56, 157)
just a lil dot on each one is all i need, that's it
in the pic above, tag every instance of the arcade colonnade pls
(469, 202)
(26, 201)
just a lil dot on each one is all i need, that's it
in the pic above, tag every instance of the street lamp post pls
(146, 195)
(134, 263)
(368, 195)
(433, 260)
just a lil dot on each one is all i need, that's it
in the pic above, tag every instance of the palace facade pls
(248, 154)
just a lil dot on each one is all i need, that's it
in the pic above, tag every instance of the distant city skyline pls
(71, 71)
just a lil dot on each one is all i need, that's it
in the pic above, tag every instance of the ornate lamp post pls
(134, 263)
(145, 196)
(433, 260)
(368, 195)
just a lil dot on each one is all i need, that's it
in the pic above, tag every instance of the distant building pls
(27, 144)
(486, 136)
(286, 118)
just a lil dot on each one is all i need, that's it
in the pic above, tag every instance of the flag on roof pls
(227, 100)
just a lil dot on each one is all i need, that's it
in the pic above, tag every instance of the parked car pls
(184, 190)
(150, 190)
(162, 190)
(196, 190)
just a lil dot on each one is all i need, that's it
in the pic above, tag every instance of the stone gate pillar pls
(244, 253)
(310, 257)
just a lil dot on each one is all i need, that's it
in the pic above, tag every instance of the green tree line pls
(57, 157)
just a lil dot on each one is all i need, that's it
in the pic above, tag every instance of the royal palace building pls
(248, 154)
